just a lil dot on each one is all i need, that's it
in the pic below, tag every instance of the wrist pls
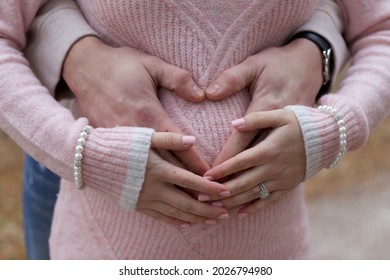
(78, 56)
(309, 57)
(326, 55)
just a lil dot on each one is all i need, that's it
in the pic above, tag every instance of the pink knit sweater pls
(205, 39)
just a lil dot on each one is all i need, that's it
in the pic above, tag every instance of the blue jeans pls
(40, 189)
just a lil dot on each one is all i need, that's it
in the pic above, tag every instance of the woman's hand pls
(118, 86)
(161, 196)
(275, 77)
(278, 161)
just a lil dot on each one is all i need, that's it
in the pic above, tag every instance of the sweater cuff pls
(58, 25)
(114, 162)
(321, 133)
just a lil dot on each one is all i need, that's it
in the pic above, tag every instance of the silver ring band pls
(264, 192)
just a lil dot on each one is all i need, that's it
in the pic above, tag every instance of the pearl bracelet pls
(342, 132)
(79, 155)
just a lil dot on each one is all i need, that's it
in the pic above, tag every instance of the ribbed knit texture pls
(93, 224)
(181, 33)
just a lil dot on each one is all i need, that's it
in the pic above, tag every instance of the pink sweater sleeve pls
(114, 159)
(363, 99)
(58, 25)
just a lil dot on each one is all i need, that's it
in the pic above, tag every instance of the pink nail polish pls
(184, 226)
(208, 178)
(188, 140)
(238, 122)
(242, 215)
(224, 217)
(217, 203)
(224, 193)
(203, 197)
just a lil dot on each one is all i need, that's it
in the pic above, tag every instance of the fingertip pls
(217, 203)
(188, 140)
(185, 226)
(212, 92)
(225, 193)
(238, 123)
(243, 215)
(198, 94)
(203, 197)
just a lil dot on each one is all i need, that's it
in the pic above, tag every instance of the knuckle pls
(169, 140)
(175, 213)
(231, 78)
(251, 61)
(240, 186)
(182, 76)
(277, 169)
(144, 114)
(253, 194)
(189, 184)
(241, 164)
(185, 206)
(271, 152)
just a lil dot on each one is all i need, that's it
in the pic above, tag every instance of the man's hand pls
(118, 86)
(276, 77)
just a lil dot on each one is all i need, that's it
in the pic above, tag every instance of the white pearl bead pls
(77, 166)
(78, 156)
(341, 123)
(81, 141)
(79, 149)
(342, 132)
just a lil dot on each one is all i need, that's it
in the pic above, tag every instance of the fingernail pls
(238, 122)
(188, 140)
(214, 89)
(224, 193)
(210, 222)
(203, 197)
(217, 203)
(224, 217)
(209, 178)
(184, 226)
(197, 91)
(242, 215)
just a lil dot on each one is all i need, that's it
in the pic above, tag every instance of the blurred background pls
(349, 206)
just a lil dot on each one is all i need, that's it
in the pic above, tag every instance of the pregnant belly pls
(209, 121)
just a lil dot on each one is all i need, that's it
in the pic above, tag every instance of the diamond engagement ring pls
(264, 192)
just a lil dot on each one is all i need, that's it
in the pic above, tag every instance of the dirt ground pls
(349, 209)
